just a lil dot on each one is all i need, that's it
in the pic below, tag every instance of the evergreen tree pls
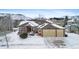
(65, 20)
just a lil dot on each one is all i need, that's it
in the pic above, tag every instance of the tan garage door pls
(49, 33)
(60, 33)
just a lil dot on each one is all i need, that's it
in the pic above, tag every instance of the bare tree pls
(3, 25)
(4, 31)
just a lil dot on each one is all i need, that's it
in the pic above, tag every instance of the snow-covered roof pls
(49, 21)
(71, 20)
(58, 26)
(22, 22)
(41, 26)
(32, 23)
(55, 25)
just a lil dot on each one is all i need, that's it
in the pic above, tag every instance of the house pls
(27, 26)
(58, 21)
(72, 21)
(51, 30)
(73, 28)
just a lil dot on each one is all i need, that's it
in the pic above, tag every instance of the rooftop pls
(32, 23)
(49, 25)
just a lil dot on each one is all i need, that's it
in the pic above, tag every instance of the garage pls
(60, 33)
(51, 30)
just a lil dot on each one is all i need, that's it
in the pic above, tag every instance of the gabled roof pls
(23, 22)
(41, 26)
(50, 26)
(31, 23)
(49, 21)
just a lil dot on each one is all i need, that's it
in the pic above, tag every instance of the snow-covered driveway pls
(72, 41)
(30, 42)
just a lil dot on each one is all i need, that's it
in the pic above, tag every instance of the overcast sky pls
(43, 12)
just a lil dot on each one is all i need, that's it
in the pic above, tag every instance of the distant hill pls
(15, 16)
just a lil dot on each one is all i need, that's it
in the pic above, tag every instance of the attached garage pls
(51, 30)
(60, 33)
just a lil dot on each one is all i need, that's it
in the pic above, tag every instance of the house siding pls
(60, 33)
(22, 30)
(49, 32)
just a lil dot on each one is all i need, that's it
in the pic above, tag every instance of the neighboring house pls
(58, 21)
(74, 28)
(51, 30)
(27, 26)
(72, 21)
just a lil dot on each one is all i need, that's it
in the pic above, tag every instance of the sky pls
(43, 12)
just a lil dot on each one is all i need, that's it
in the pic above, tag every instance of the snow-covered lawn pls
(30, 42)
(14, 41)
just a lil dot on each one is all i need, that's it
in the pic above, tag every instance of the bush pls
(24, 35)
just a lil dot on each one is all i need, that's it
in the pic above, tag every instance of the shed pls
(51, 30)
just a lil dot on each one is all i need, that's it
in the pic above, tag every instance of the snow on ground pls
(72, 41)
(14, 41)
(30, 42)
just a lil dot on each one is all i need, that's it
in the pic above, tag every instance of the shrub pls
(23, 35)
